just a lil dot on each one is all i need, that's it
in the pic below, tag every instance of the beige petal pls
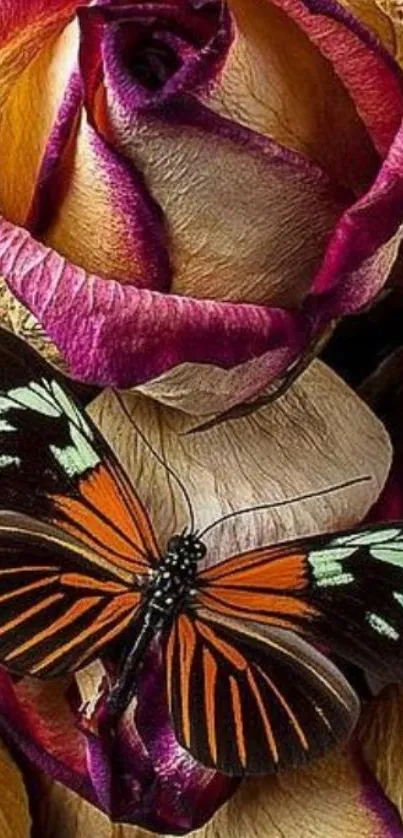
(381, 734)
(302, 444)
(15, 317)
(277, 82)
(15, 821)
(243, 224)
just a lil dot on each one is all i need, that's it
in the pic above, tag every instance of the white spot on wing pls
(6, 460)
(381, 626)
(6, 426)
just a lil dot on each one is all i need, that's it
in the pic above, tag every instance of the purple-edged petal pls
(112, 333)
(103, 216)
(365, 67)
(365, 242)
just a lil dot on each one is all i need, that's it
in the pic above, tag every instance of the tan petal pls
(381, 735)
(64, 814)
(15, 317)
(223, 244)
(326, 800)
(323, 801)
(15, 821)
(297, 446)
(277, 82)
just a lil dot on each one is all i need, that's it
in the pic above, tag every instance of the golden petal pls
(277, 82)
(381, 735)
(15, 821)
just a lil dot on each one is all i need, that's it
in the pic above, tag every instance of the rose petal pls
(103, 216)
(35, 65)
(262, 87)
(109, 332)
(275, 463)
(381, 734)
(222, 244)
(368, 71)
(377, 15)
(15, 821)
(336, 797)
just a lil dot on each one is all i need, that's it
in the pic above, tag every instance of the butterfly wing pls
(248, 699)
(60, 604)
(343, 592)
(56, 467)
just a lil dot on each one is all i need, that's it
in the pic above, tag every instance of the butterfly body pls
(82, 576)
(165, 591)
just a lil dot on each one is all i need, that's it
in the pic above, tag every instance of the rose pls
(197, 187)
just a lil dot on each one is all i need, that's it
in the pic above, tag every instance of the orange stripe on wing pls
(136, 511)
(263, 556)
(210, 680)
(32, 586)
(88, 527)
(111, 612)
(74, 613)
(231, 608)
(79, 580)
(224, 648)
(287, 573)
(291, 715)
(238, 720)
(106, 638)
(187, 646)
(265, 719)
(30, 612)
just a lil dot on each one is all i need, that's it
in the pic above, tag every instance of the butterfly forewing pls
(56, 467)
(247, 699)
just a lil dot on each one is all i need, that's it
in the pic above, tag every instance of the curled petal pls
(368, 71)
(111, 333)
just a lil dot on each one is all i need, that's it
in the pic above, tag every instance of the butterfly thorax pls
(173, 579)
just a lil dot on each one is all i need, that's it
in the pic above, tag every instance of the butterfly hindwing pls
(249, 700)
(343, 592)
(56, 467)
(60, 605)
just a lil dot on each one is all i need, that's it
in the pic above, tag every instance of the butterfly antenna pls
(160, 459)
(328, 491)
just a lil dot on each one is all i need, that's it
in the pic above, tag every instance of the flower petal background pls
(335, 797)
(15, 820)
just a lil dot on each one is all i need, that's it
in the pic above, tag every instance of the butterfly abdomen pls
(164, 594)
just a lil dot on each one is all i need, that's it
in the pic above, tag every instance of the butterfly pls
(245, 643)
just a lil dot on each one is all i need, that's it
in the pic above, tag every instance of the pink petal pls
(110, 332)
(366, 68)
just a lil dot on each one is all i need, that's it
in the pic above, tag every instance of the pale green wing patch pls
(6, 460)
(367, 538)
(49, 399)
(381, 626)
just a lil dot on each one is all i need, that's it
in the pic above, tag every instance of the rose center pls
(152, 63)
